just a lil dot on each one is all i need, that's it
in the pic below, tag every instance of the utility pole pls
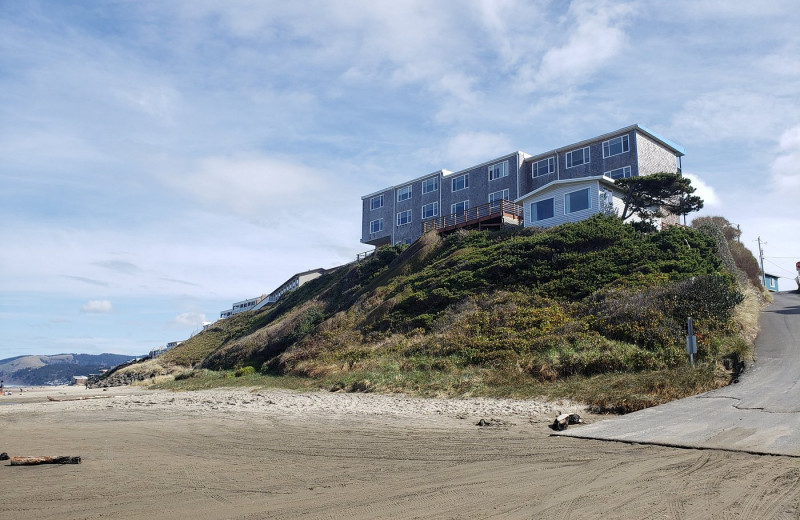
(761, 258)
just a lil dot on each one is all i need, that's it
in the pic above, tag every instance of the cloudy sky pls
(161, 160)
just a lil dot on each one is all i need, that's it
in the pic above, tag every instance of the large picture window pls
(544, 167)
(376, 226)
(404, 217)
(461, 182)
(376, 202)
(542, 210)
(404, 193)
(616, 146)
(578, 157)
(576, 201)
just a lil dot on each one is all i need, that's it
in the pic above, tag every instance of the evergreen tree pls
(652, 196)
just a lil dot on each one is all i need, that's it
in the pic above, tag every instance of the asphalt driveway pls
(759, 414)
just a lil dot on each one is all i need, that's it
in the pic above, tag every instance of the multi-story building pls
(254, 304)
(244, 305)
(290, 285)
(396, 214)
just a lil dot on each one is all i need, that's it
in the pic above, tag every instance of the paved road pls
(760, 414)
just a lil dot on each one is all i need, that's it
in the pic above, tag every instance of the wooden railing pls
(496, 209)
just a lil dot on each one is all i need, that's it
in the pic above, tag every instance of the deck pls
(492, 215)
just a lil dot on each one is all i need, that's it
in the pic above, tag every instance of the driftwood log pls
(84, 398)
(34, 461)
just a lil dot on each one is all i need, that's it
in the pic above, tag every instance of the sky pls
(162, 160)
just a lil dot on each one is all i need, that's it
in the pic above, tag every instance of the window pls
(461, 182)
(498, 170)
(404, 217)
(619, 173)
(542, 210)
(578, 157)
(430, 210)
(615, 146)
(376, 226)
(544, 167)
(576, 201)
(499, 195)
(459, 207)
(376, 202)
(404, 193)
(429, 185)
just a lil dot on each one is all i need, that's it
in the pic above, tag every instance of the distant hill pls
(55, 369)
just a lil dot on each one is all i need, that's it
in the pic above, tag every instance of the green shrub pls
(244, 371)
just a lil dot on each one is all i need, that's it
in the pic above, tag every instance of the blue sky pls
(161, 160)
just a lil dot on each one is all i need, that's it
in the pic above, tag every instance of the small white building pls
(290, 285)
(244, 305)
(571, 200)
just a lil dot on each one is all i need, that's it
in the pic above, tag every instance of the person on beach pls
(2, 388)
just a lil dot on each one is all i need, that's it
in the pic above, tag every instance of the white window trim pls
(505, 192)
(533, 204)
(372, 207)
(624, 168)
(466, 182)
(453, 206)
(624, 140)
(503, 167)
(435, 206)
(586, 155)
(380, 223)
(551, 167)
(568, 210)
(403, 213)
(402, 191)
(435, 188)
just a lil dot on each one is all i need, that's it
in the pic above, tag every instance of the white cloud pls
(730, 114)
(252, 186)
(595, 35)
(97, 307)
(190, 319)
(468, 148)
(704, 191)
(785, 169)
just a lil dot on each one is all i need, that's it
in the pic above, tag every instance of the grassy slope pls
(592, 310)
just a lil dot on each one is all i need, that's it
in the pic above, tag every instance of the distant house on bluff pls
(291, 284)
(567, 184)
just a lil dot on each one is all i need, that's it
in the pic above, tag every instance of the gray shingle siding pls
(385, 212)
(653, 158)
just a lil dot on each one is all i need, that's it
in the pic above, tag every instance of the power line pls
(782, 268)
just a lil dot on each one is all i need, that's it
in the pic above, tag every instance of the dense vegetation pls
(523, 312)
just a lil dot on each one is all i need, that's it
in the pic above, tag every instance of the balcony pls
(492, 215)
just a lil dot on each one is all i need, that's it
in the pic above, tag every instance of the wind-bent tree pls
(652, 196)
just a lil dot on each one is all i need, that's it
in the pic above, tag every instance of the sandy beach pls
(250, 454)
